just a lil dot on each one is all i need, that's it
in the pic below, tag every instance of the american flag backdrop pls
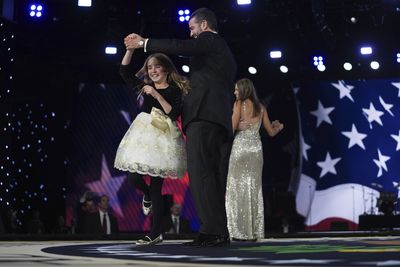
(350, 145)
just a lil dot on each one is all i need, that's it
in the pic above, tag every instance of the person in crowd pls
(153, 144)
(244, 197)
(60, 227)
(207, 111)
(102, 221)
(11, 223)
(35, 224)
(85, 206)
(174, 223)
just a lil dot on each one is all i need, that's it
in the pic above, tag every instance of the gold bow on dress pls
(163, 122)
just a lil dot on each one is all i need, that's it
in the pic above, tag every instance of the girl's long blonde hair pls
(247, 90)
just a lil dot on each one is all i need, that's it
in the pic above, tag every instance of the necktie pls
(104, 223)
(176, 225)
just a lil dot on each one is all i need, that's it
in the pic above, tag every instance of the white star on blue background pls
(373, 114)
(322, 114)
(355, 138)
(328, 165)
(381, 163)
(344, 90)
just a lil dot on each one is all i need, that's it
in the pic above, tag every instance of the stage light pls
(318, 60)
(398, 58)
(185, 68)
(85, 3)
(366, 50)
(275, 54)
(347, 66)
(321, 67)
(252, 70)
(374, 65)
(111, 50)
(36, 10)
(184, 15)
(243, 2)
(283, 69)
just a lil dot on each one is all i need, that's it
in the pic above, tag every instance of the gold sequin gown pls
(244, 200)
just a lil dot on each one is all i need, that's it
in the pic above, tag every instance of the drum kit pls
(387, 201)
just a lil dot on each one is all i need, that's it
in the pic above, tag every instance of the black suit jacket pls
(212, 77)
(93, 223)
(167, 225)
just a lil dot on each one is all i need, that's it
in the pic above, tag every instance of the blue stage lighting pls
(374, 65)
(318, 60)
(398, 57)
(283, 69)
(185, 68)
(184, 15)
(347, 66)
(85, 3)
(366, 50)
(275, 54)
(36, 10)
(243, 2)
(111, 50)
(252, 70)
(321, 67)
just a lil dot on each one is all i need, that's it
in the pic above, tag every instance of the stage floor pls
(322, 251)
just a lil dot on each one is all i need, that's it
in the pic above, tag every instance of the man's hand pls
(133, 41)
(243, 125)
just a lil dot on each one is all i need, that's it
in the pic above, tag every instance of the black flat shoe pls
(198, 241)
(244, 240)
(218, 241)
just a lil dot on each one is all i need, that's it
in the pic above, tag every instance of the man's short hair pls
(207, 15)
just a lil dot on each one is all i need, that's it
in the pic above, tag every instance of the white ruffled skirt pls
(146, 149)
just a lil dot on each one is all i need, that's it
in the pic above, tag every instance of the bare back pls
(246, 113)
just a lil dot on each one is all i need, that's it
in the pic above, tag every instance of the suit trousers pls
(208, 148)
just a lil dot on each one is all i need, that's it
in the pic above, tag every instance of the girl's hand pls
(277, 126)
(149, 90)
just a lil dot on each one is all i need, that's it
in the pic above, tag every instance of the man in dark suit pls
(207, 121)
(102, 221)
(174, 223)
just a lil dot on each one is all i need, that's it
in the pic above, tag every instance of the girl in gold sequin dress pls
(244, 200)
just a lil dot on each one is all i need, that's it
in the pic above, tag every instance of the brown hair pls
(248, 91)
(173, 75)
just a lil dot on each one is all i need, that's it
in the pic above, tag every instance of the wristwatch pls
(141, 43)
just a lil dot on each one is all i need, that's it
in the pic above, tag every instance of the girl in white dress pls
(153, 145)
